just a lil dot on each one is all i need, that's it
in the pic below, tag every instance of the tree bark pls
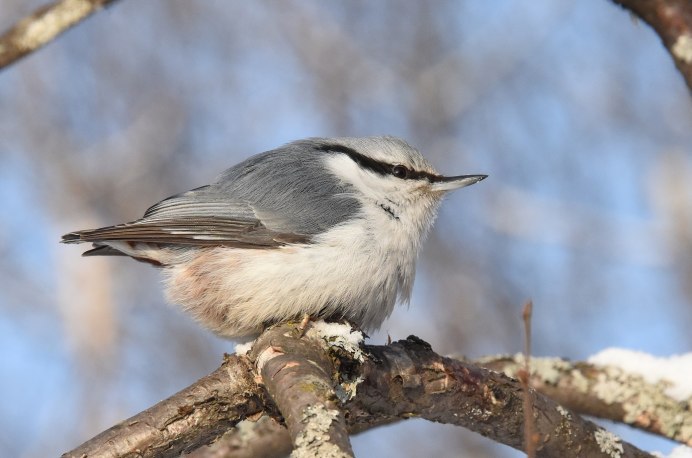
(672, 21)
(193, 417)
(374, 385)
(604, 392)
(297, 375)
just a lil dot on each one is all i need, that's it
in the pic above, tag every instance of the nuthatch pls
(324, 227)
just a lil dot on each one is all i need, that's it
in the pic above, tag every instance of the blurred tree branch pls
(375, 385)
(43, 26)
(672, 21)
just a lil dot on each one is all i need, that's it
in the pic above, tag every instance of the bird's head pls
(389, 174)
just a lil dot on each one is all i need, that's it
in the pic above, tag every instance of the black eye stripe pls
(379, 167)
(364, 161)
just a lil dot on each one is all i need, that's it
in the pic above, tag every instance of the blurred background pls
(573, 108)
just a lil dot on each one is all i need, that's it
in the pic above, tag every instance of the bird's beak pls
(444, 184)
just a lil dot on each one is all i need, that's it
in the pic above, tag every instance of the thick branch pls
(43, 25)
(408, 379)
(297, 375)
(376, 385)
(191, 418)
(672, 21)
(603, 392)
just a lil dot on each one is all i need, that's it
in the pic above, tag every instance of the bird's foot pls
(303, 325)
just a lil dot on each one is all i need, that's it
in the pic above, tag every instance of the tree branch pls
(265, 437)
(672, 21)
(598, 391)
(191, 418)
(604, 392)
(297, 375)
(408, 379)
(43, 25)
(374, 384)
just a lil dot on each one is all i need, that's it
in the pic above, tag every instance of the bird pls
(325, 228)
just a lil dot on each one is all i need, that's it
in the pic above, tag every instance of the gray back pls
(290, 189)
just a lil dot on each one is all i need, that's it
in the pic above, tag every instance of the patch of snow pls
(338, 335)
(675, 370)
(243, 349)
(681, 451)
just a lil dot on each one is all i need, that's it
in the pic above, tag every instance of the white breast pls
(355, 271)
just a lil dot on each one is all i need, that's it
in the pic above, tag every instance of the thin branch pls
(672, 21)
(265, 437)
(605, 392)
(530, 436)
(376, 385)
(43, 25)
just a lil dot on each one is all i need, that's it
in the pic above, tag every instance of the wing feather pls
(195, 218)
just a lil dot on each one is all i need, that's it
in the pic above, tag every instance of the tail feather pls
(143, 252)
(72, 237)
(137, 251)
(103, 250)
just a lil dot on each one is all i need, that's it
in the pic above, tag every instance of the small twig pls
(43, 25)
(530, 436)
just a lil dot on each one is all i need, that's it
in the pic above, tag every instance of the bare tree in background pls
(425, 84)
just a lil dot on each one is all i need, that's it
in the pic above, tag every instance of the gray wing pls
(278, 197)
(195, 218)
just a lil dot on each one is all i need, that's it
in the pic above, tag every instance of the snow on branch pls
(627, 387)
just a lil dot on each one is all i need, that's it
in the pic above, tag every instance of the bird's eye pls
(400, 171)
